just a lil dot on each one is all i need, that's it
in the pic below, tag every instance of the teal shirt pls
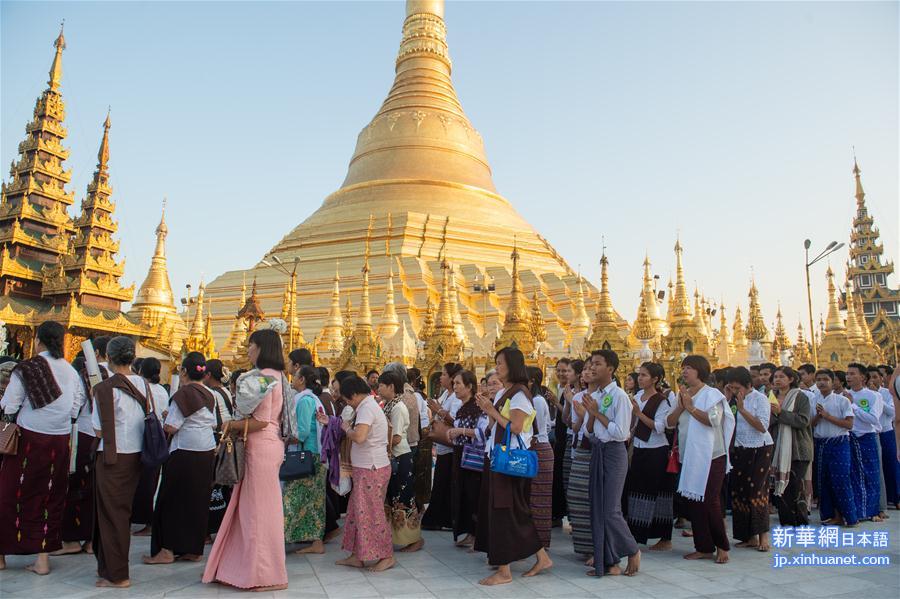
(307, 427)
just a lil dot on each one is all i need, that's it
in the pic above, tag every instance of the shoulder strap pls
(151, 403)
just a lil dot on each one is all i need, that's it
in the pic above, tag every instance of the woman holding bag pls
(248, 552)
(506, 531)
(468, 437)
(304, 498)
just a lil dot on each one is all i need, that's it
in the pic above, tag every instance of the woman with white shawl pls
(793, 447)
(704, 458)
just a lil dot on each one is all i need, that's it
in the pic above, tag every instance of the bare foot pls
(721, 556)
(466, 542)
(413, 547)
(589, 562)
(661, 545)
(384, 564)
(103, 583)
(37, 569)
(877, 518)
(144, 532)
(89, 548)
(613, 571)
(495, 579)
(352, 561)
(698, 555)
(274, 587)
(687, 533)
(163, 557)
(2, 563)
(763, 548)
(331, 534)
(209, 540)
(190, 557)
(68, 548)
(747, 544)
(634, 564)
(543, 562)
(317, 547)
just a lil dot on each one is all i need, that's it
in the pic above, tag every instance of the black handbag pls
(155, 450)
(297, 464)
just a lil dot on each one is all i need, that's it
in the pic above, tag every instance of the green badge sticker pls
(734, 409)
(606, 402)
(864, 404)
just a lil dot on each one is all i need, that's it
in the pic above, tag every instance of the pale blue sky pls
(731, 122)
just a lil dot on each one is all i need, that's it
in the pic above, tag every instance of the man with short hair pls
(766, 370)
(865, 467)
(372, 379)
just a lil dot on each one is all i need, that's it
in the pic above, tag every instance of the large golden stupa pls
(418, 202)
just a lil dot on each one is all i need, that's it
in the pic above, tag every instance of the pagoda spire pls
(681, 304)
(34, 222)
(781, 341)
(251, 312)
(91, 271)
(196, 339)
(699, 316)
(331, 337)
(643, 325)
(723, 349)
(854, 330)
(390, 323)
(739, 337)
(756, 326)
(860, 194)
(364, 319)
(536, 320)
(605, 330)
(648, 297)
(444, 319)
(156, 290)
(239, 327)
(55, 80)
(833, 323)
(581, 322)
(516, 325)
(835, 349)
(802, 350)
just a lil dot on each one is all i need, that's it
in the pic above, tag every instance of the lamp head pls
(807, 243)
(831, 245)
(838, 246)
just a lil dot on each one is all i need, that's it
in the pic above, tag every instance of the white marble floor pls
(442, 570)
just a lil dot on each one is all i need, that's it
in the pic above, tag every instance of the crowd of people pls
(619, 460)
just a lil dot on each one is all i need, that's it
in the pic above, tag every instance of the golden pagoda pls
(802, 350)
(330, 340)
(756, 328)
(581, 322)
(362, 347)
(781, 344)
(648, 298)
(724, 348)
(517, 331)
(417, 163)
(643, 331)
(685, 335)
(605, 331)
(867, 351)
(198, 338)
(441, 342)
(154, 304)
(51, 267)
(879, 303)
(238, 330)
(835, 350)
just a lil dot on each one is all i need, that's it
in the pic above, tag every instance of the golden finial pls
(538, 331)
(643, 326)
(103, 153)
(56, 67)
(854, 330)
(834, 322)
(860, 194)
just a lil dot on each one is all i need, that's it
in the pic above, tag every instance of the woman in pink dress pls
(249, 550)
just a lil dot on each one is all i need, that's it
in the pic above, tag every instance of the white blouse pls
(542, 418)
(129, 417)
(615, 404)
(517, 402)
(53, 419)
(867, 409)
(888, 411)
(658, 432)
(745, 435)
(195, 433)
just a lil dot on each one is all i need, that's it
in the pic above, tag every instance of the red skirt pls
(33, 487)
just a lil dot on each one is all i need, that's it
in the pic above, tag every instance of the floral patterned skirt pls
(304, 508)
(367, 533)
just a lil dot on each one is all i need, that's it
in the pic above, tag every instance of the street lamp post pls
(292, 275)
(830, 249)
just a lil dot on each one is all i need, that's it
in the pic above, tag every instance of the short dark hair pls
(414, 378)
(100, 344)
(609, 356)
(861, 368)
(452, 369)
(390, 379)
(301, 357)
(310, 376)
(698, 363)
(515, 365)
(825, 372)
(807, 368)
(739, 375)
(841, 376)
(371, 372)
(194, 364)
(577, 366)
(342, 375)
(888, 369)
(469, 380)
(353, 385)
(52, 334)
(270, 352)
(790, 373)
(324, 376)
(150, 369)
(768, 366)
(656, 371)
(874, 369)
(754, 367)
(236, 375)
(565, 361)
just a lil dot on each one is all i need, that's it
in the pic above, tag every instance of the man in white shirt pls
(831, 433)
(889, 460)
(866, 467)
(609, 426)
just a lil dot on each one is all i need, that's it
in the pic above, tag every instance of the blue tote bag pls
(520, 462)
